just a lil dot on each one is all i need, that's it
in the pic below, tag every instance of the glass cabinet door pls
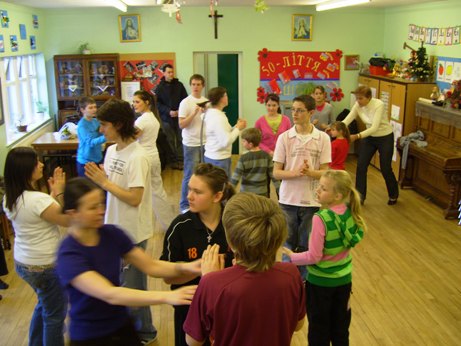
(70, 79)
(102, 78)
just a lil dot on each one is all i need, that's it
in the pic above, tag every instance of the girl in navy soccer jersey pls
(190, 233)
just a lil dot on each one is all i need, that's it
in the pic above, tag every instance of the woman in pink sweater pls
(272, 125)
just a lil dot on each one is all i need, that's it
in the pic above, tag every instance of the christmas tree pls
(418, 65)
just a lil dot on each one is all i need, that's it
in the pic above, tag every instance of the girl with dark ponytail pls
(148, 126)
(190, 233)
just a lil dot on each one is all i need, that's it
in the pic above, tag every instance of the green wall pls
(241, 30)
(353, 30)
(437, 14)
(19, 15)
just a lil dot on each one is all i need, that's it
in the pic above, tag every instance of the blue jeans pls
(191, 159)
(47, 323)
(224, 164)
(299, 222)
(142, 316)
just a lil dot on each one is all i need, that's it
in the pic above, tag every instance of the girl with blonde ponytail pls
(336, 228)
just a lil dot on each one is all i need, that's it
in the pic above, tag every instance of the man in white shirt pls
(193, 136)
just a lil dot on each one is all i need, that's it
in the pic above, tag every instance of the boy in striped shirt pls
(255, 167)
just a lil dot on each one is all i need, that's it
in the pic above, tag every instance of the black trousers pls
(329, 314)
(385, 146)
(3, 267)
(124, 336)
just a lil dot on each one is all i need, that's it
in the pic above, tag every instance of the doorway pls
(223, 69)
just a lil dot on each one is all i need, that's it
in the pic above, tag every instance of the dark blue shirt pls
(90, 317)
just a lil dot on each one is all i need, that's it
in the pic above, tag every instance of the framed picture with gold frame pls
(301, 27)
(351, 62)
(129, 26)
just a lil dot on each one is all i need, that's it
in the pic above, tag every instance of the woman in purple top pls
(89, 263)
(273, 124)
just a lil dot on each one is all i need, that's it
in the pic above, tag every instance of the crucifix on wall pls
(215, 17)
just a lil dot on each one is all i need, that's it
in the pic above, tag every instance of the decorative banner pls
(295, 73)
(435, 36)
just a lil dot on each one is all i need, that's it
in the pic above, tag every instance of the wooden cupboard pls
(399, 97)
(93, 75)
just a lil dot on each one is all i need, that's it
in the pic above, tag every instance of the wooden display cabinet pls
(94, 75)
(402, 94)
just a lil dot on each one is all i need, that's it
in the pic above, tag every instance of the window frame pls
(22, 94)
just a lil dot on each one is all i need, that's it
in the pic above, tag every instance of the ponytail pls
(356, 208)
(343, 185)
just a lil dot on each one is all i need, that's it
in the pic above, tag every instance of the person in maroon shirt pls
(258, 301)
(340, 145)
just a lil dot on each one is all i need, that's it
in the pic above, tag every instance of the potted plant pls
(20, 125)
(41, 108)
(84, 48)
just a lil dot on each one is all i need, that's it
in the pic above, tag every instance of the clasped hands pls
(303, 170)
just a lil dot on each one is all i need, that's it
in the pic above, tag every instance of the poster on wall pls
(448, 70)
(33, 42)
(14, 43)
(35, 21)
(22, 32)
(294, 73)
(2, 44)
(4, 18)
(144, 68)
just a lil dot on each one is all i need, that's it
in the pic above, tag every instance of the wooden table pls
(54, 151)
(51, 141)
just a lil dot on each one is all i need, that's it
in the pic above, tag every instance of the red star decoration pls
(339, 53)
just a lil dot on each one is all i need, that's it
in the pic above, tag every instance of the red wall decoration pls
(294, 73)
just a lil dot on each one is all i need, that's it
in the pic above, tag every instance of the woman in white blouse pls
(219, 133)
(378, 136)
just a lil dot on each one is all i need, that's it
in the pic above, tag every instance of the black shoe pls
(3, 285)
(392, 201)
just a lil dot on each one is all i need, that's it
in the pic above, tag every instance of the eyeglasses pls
(298, 110)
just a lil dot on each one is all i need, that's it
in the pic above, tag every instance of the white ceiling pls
(134, 3)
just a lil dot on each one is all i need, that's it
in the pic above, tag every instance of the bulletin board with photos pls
(145, 68)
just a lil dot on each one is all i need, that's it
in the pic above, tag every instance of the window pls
(24, 93)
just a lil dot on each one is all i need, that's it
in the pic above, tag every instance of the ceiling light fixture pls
(339, 4)
(118, 4)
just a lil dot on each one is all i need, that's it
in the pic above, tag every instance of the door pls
(222, 69)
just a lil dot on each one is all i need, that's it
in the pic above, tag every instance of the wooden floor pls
(406, 287)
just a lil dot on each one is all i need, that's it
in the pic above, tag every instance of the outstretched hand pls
(96, 173)
(287, 251)
(180, 296)
(211, 259)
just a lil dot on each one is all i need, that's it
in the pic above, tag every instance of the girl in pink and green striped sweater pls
(336, 228)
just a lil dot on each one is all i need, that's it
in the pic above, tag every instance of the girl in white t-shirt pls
(148, 126)
(35, 216)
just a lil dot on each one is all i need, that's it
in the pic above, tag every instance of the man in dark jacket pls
(170, 92)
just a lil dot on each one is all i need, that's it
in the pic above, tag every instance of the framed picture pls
(301, 27)
(129, 26)
(351, 62)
